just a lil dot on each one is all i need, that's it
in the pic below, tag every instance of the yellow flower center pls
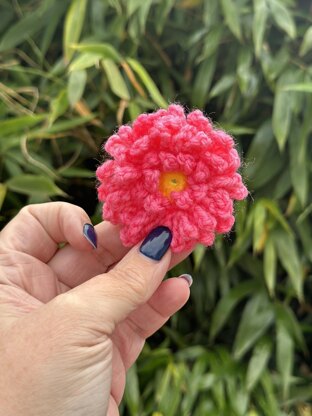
(172, 182)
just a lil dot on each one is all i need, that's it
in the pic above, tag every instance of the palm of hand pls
(34, 272)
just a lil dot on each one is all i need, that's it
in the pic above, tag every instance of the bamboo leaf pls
(299, 169)
(58, 106)
(33, 185)
(283, 17)
(132, 392)
(115, 79)
(282, 112)
(148, 82)
(286, 316)
(259, 24)
(258, 362)
(203, 81)
(198, 255)
(284, 355)
(288, 255)
(3, 192)
(306, 45)
(19, 124)
(225, 83)
(270, 261)
(232, 17)
(73, 26)
(227, 304)
(250, 330)
(303, 87)
(259, 226)
(76, 85)
(60, 126)
(103, 50)
(20, 31)
(84, 61)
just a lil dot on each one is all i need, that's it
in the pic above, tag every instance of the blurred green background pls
(71, 71)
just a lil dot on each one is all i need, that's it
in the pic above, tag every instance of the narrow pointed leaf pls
(115, 79)
(76, 85)
(73, 26)
(258, 362)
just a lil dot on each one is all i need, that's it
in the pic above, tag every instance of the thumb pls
(108, 299)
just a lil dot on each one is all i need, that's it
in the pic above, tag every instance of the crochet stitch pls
(174, 170)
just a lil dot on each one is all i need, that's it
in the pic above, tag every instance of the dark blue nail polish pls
(156, 243)
(89, 233)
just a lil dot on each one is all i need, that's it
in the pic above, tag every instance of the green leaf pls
(60, 126)
(283, 17)
(84, 61)
(203, 81)
(288, 255)
(258, 315)
(76, 173)
(54, 16)
(227, 304)
(306, 45)
(103, 50)
(134, 110)
(299, 169)
(269, 404)
(76, 85)
(115, 79)
(163, 11)
(132, 392)
(73, 26)
(34, 185)
(58, 106)
(148, 82)
(270, 261)
(224, 84)
(232, 17)
(259, 24)
(305, 232)
(19, 124)
(20, 31)
(3, 192)
(284, 355)
(236, 130)
(259, 148)
(259, 225)
(282, 113)
(303, 87)
(198, 255)
(258, 362)
(274, 210)
(286, 316)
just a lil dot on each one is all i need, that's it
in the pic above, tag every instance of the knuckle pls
(68, 304)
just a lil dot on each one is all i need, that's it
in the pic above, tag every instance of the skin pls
(73, 320)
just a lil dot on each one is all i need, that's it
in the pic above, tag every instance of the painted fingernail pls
(188, 279)
(156, 243)
(89, 233)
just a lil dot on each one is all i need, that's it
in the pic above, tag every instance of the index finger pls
(38, 230)
(73, 269)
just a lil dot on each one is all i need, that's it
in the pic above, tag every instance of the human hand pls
(72, 321)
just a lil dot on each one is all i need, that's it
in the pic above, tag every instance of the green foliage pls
(72, 71)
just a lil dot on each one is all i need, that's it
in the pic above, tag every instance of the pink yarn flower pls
(174, 170)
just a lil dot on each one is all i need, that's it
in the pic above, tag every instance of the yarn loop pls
(174, 170)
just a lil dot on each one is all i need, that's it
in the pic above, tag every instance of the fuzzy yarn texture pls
(174, 170)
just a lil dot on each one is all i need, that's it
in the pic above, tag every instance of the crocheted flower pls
(174, 170)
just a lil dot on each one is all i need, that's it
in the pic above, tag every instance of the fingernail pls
(89, 233)
(188, 278)
(156, 243)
